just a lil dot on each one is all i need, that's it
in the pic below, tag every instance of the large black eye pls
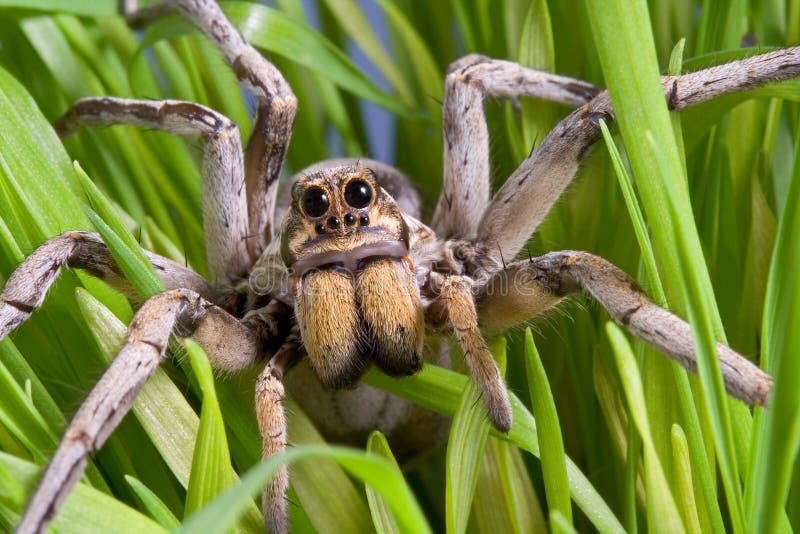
(358, 193)
(315, 202)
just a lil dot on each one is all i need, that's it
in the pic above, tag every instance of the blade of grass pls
(427, 73)
(624, 41)
(222, 513)
(313, 482)
(20, 416)
(639, 227)
(623, 432)
(490, 502)
(19, 370)
(703, 317)
(777, 436)
(89, 8)
(662, 513)
(211, 465)
(354, 23)
(682, 467)
(554, 468)
(465, 449)
(53, 48)
(274, 32)
(536, 50)
(505, 500)
(85, 509)
(560, 524)
(440, 390)
(524, 508)
(710, 506)
(382, 516)
(157, 509)
(126, 251)
(37, 159)
(721, 25)
(162, 410)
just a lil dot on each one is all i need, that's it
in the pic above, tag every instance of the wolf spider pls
(355, 278)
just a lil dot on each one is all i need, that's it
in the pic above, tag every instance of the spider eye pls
(315, 202)
(357, 194)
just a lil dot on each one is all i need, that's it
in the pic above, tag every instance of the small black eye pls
(358, 193)
(315, 202)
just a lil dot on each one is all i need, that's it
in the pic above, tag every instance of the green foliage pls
(702, 204)
(382, 515)
(465, 449)
(554, 468)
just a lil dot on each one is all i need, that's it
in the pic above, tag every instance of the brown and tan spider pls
(348, 276)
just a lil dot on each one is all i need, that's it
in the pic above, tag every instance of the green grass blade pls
(465, 449)
(559, 524)
(85, 509)
(655, 288)
(524, 508)
(354, 23)
(710, 506)
(622, 34)
(161, 409)
(19, 414)
(536, 50)
(635, 213)
(272, 31)
(155, 506)
(505, 499)
(211, 464)
(20, 371)
(53, 48)
(721, 25)
(676, 69)
(222, 513)
(314, 481)
(440, 390)
(682, 474)
(778, 430)
(38, 160)
(554, 468)
(623, 434)
(427, 73)
(90, 8)
(131, 260)
(702, 317)
(642, 107)
(460, 12)
(126, 251)
(662, 513)
(382, 516)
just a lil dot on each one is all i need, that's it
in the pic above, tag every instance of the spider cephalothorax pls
(341, 216)
(345, 243)
(356, 278)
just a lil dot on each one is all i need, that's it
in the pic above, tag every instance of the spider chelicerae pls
(344, 274)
